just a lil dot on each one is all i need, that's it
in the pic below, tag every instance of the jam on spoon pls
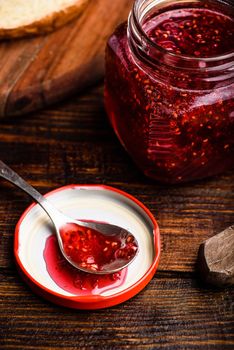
(95, 251)
(83, 244)
(74, 281)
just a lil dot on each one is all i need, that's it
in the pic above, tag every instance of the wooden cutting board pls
(36, 72)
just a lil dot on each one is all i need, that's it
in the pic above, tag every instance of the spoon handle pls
(8, 174)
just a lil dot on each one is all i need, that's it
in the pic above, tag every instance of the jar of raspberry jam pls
(169, 88)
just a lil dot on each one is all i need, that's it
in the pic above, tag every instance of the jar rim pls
(161, 49)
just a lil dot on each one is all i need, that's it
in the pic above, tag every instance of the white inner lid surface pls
(90, 204)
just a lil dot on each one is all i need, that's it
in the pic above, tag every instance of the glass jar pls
(169, 87)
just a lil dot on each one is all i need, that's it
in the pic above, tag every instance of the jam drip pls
(73, 281)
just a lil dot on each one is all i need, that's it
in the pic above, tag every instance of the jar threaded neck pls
(215, 70)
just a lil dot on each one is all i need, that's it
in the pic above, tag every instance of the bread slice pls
(31, 17)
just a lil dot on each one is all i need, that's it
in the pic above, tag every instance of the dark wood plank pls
(173, 312)
(38, 71)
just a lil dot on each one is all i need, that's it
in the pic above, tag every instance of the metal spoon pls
(60, 221)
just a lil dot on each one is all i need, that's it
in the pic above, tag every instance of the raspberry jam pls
(192, 32)
(94, 251)
(73, 281)
(169, 89)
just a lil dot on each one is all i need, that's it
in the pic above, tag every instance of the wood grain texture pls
(173, 312)
(74, 143)
(39, 71)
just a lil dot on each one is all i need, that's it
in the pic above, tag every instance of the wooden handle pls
(216, 258)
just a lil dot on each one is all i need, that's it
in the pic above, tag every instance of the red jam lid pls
(48, 274)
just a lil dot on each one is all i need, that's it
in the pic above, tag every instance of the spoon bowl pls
(105, 248)
(92, 247)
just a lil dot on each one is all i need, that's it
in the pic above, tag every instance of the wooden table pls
(74, 143)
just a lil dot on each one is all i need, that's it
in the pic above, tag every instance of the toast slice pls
(20, 18)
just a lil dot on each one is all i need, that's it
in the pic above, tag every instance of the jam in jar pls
(169, 87)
